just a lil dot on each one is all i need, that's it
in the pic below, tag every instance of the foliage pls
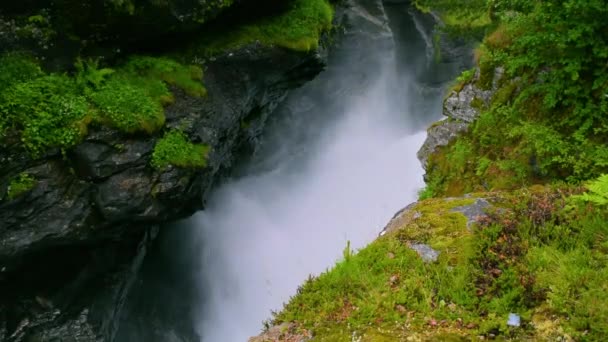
(472, 19)
(598, 192)
(15, 68)
(88, 74)
(127, 107)
(54, 110)
(175, 149)
(548, 119)
(20, 185)
(153, 69)
(298, 28)
(529, 256)
(49, 111)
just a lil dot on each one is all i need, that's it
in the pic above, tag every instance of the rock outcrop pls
(461, 107)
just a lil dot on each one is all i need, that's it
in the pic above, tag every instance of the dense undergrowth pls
(548, 119)
(54, 110)
(540, 253)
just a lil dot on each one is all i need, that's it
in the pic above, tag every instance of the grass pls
(535, 254)
(298, 28)
(175, 149)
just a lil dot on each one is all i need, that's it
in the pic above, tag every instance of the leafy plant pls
(597, 193)
(88, 74)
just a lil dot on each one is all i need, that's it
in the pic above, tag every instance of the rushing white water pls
(266, 232)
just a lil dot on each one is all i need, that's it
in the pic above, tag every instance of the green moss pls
(504, 94)
(175, 149)
(20, 185)
(154, 69)
(471, 20)
(299, 28)
(127, 107)
(478, 103)
(487, 68)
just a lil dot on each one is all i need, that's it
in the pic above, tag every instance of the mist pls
(338, 161)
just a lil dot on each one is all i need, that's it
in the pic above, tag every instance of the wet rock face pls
(77, 233)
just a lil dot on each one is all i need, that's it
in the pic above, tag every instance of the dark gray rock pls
(459, 104)
(440, 134)
(461, 108)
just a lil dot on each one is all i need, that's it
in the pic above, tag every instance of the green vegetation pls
(298, 28)
(148, 71)
(127, 107)
(548, 120)
(54, 110)
(175, 149)
(534, 255)
(598, 192)
(472, 19)
(48, 109)
(20, 185)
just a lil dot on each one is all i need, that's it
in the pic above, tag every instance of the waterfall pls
(336, 160)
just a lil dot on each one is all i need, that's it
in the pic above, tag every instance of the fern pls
(89, 75)
(598, 192)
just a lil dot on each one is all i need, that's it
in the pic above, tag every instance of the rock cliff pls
(72, 242)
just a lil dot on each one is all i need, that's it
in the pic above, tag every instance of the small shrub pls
(175, 149)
